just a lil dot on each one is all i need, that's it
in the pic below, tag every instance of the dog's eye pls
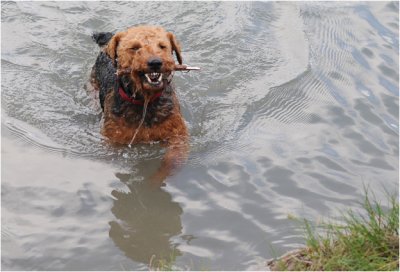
(135, 48)
(162, 46)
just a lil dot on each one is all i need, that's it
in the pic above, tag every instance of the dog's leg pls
(175, 156)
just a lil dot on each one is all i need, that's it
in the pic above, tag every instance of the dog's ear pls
(175, 46)
(111, 49)
(102, 38)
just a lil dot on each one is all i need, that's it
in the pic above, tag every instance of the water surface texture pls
(294, 112)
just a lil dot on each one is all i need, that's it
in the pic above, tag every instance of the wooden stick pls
(184, 67)
(123, 71)
(178, 67)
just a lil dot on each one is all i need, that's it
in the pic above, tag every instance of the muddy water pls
(295, 110)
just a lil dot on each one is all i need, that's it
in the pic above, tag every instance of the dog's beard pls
(143, 86)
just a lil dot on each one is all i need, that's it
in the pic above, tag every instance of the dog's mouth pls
(154, 79)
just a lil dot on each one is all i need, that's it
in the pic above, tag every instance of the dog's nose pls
(154, 63)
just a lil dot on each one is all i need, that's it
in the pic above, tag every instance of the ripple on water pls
(294, 110)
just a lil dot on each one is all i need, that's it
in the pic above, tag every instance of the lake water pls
(294, 112)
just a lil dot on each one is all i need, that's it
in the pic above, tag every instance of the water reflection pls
(295, 110)
(146, 221)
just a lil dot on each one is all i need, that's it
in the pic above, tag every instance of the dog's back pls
(103, 69)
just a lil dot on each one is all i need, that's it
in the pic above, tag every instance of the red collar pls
(125, 97)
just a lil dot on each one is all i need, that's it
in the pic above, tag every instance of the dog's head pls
(148, 52)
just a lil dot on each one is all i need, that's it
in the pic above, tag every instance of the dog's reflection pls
(146, 220)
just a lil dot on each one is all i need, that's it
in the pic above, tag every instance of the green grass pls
(163, 264)
(365, 242)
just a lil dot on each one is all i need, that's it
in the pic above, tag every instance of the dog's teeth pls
(153, 77)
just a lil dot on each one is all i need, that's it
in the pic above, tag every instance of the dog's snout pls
(154, 63)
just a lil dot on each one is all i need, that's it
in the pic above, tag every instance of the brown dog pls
(140, 106)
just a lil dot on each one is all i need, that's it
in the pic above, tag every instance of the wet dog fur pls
(148, 52)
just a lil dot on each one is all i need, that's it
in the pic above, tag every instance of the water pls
(295, 110)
